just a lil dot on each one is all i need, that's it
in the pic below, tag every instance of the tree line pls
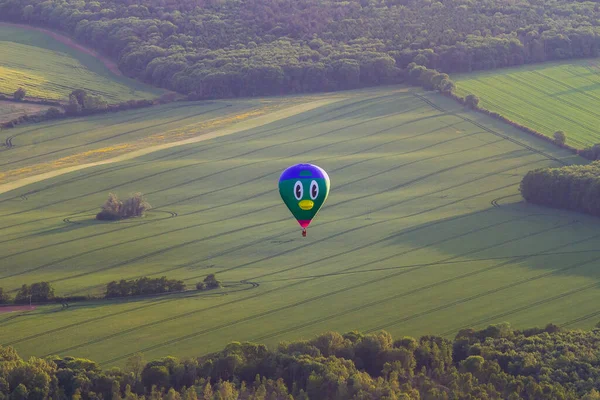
(497, 362)
(573, 187)
(227, 48)
(80, 103)
(43, 292)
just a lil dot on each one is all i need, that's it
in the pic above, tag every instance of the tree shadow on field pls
(510, 232)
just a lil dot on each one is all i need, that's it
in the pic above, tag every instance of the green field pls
(547, 97)
(49, 69)
(424, 232)
(44, 144)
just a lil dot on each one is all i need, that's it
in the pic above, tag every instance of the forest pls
(228, 48)
(497, 362)
(574, 187)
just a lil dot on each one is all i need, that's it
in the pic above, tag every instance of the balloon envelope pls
(304, 188)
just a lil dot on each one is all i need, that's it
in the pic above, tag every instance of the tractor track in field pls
(402, 272)
(140, 115)
(244, 281)
(256, 225)
(535, 304)
(8, 141)
(485, 128)
(495, 201)
(493, 291)
(544, 110)
(285, 129)
(237, 230)
(395, 297)
(172, 214)
(107, 138)
(580, 319)
(268, 312)
(422, 288)
(216, 109)
(220, 189)
(163, 298)
(404, 216)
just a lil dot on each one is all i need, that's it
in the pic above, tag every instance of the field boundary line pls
(485, 128)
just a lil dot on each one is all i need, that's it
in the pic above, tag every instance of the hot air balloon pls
(304, 188)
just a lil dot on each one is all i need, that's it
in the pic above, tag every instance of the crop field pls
(37, 148)
(49, 69)
(424, 231)
(547, 97)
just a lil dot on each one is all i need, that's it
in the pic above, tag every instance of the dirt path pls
(238, 127)
(111, 65)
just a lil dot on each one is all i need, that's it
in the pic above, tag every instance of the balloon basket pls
(304, 232)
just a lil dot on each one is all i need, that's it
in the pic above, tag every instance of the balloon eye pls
(314, 190)
(298, 190)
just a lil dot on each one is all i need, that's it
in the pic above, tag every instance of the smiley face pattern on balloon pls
(304, 188)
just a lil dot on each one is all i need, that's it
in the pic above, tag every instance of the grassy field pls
(424, 231)
(49, 69)
(547, 97)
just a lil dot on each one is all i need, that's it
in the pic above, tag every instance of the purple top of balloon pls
(303, 171)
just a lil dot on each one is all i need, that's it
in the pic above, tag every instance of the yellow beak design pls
(306, 204)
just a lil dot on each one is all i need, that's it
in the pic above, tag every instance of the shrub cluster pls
(210, 282)
(143, 286)
(574, 187)
(114, 209)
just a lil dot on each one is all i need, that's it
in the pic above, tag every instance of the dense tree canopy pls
(222, 48)
(494, 363)
(574, 187)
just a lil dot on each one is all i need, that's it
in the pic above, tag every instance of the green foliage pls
(560, 137)
(575, 187)
(518, 365)
(82, 102)
(38, 292)
(223, 48)
(19, 94)
(4, 298)
(143, 286)
(471, 101)
(114, 209)
(212, 282)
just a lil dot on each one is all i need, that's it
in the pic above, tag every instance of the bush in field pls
(210, 282)
(114, 209)
(560, 137)
(472, 101)
(19, 94)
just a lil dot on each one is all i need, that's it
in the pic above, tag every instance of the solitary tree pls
(472, 101)
(19, 94)
(560, 137)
